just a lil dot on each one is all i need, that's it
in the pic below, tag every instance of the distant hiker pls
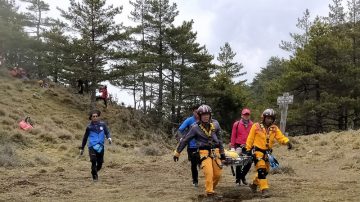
(206, 133)
(95, 134)
(261, 139)
(239, 134)
(80, 83)
(192, 148)
(104, 95)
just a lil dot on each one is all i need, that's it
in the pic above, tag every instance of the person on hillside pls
(80, 83)
(239, 134)
(192, 149)
(94, 136)
(260, 140)
(207, 135)
(104, 95)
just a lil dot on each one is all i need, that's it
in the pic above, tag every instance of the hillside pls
(43, 165)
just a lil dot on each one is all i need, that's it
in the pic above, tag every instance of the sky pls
(254, 28)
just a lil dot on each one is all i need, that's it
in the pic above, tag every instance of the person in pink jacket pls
(240, 132)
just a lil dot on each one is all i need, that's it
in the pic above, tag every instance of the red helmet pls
(245, 111)
(204, 109)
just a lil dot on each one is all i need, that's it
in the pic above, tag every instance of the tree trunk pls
(173, 94)
(180, 94)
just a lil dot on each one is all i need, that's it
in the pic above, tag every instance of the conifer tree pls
(94, 34)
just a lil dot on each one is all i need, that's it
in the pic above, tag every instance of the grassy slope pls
(44, 164)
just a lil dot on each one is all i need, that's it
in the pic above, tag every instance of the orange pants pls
(261, 164)
(211, 168)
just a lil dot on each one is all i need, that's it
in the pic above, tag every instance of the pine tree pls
(14, 42)
(227, 65)
(57, 52)
(336, 14)
(94, 24)
(161, 17)
(35, 16)
(299, 39)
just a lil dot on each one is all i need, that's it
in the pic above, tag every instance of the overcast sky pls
(254, 28)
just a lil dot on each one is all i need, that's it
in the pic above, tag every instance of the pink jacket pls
(240, 133)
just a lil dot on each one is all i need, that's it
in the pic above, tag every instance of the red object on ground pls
(25, 126)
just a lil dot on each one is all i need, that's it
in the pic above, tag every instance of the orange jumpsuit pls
(262, 139)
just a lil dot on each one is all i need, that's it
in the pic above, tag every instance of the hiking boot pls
(244, 181)
(253, 187)
(265, 193)
(95, 178)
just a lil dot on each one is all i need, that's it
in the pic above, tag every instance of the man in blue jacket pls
(95, 135)
(192, 148)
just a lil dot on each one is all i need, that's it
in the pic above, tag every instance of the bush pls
(323, 143)
(35, 131)
(78, 125)
(2, 112)
(151, 151)
(42, 160)
(64, 136)
(15, 117)
(19, 138)
(8, 157)
(48, 138)
(58, 120)
(7, 121)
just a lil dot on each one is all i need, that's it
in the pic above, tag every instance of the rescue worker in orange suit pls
(207, 135)
(261, 140)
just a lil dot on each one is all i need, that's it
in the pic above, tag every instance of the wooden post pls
(283, 102)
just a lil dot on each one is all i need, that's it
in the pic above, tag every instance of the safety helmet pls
(269, 113)
(204, 109)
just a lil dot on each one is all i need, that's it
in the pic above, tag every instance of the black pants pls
(241, 171)
(96, 160)
(194, 158)
(100, 98)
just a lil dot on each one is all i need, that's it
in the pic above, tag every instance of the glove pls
(109, 139)
(245, 152)
(289, 145)
(222, 157)
(81, 152)
(232, 149)
(176, 156)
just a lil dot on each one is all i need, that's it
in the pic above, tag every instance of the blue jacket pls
(184, 127)
(95, 134)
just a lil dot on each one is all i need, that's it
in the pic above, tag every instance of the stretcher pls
(233, 158)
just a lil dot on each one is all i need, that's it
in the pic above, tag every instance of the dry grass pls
(50, 169)
(42, 160)
(2, 112)
(48, 138)
(8, 158)
(283, 169)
